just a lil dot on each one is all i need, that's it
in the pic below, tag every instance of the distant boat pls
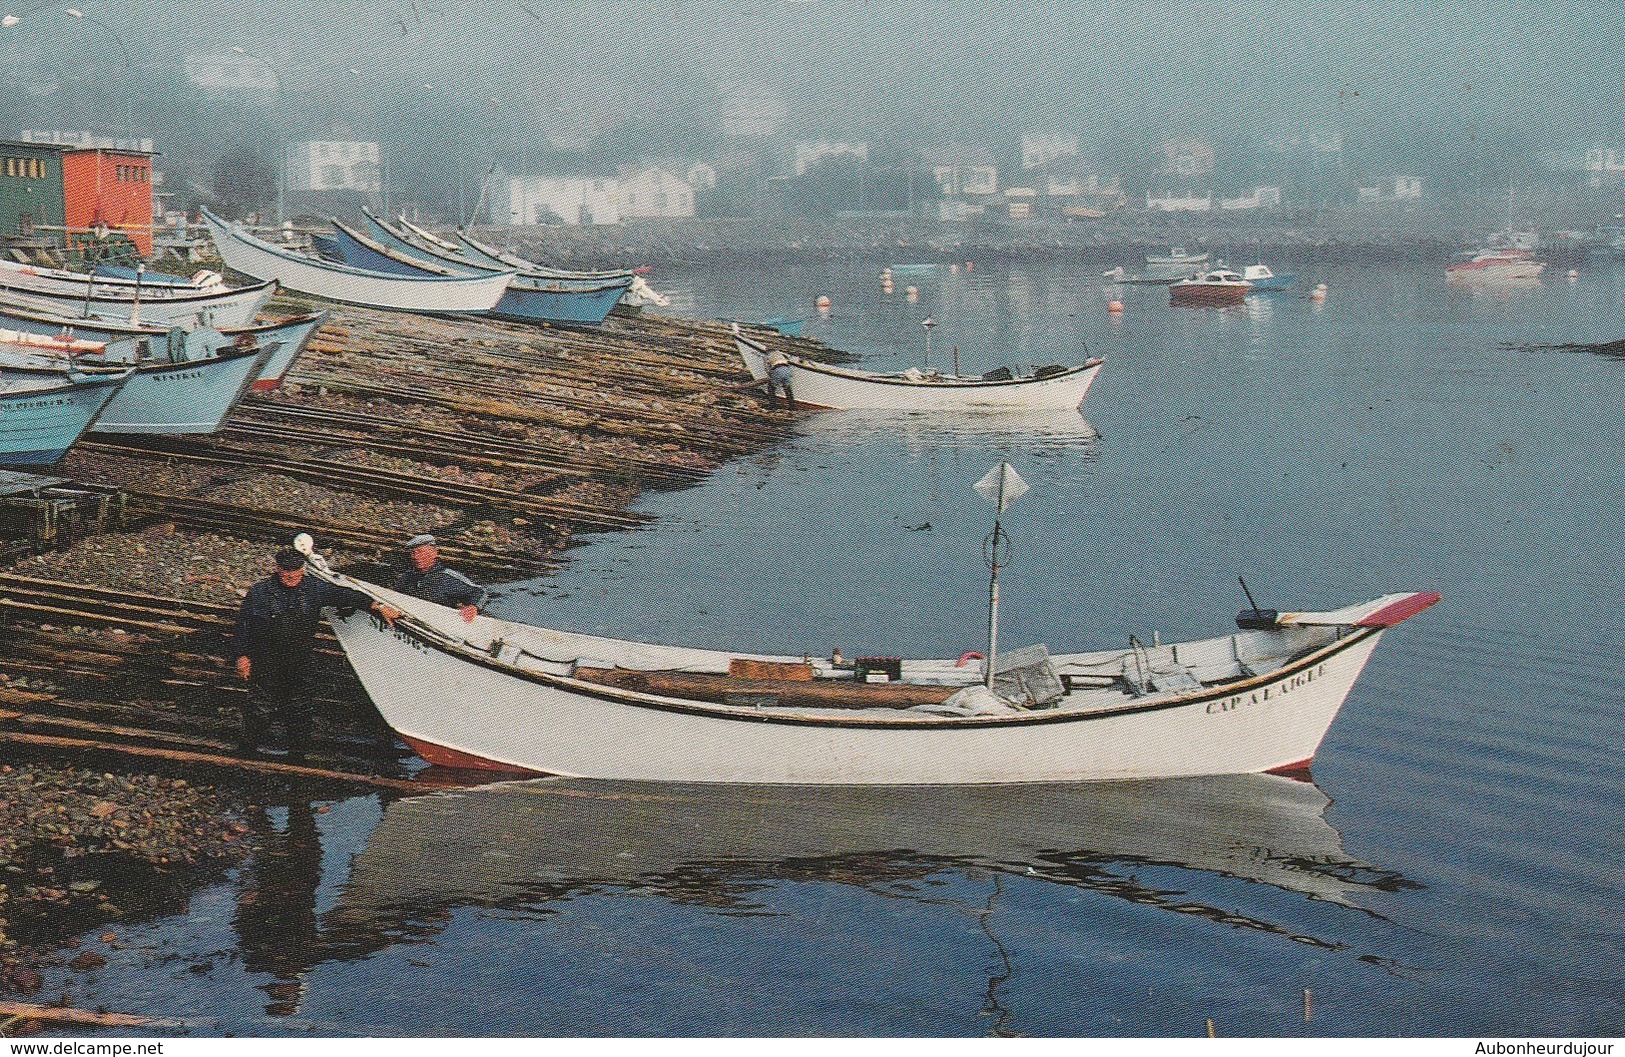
(1177, 263)
(184, 385)
(42, 415)
(1495, 266)
(843, 389)
(290, 336)
(923, 268)
(527, 300)
(426, 294)
(1217, 287)
(1264, 280)
(77, 294)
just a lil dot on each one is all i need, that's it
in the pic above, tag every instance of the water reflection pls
(1037, 431)
(532, 844)
(276, 919)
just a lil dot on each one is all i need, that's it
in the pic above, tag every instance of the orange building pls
(112, 187)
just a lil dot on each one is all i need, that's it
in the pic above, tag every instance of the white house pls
(333, 165)
(1041, 148)
(1259, 198)
(810, 154)
(967, 179)
(655, 193)
(570, 200)
(1172, 202)
(700, 176)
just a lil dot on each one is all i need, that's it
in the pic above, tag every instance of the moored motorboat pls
(1264, 280)
(43, 414)
(289, 336)
(1217, 287)
(822, 385)
(507, 696)
(1495, 266)
(1176, 265)
(425, 294)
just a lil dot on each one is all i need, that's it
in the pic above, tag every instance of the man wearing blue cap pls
(424, 577)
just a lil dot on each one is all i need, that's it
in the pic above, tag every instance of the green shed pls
(30, 186)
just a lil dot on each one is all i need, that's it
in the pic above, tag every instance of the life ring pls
(965, 658)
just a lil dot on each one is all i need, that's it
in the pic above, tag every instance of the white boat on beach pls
(74, 294)
(430, 294)
(505, 696)
(821, 385)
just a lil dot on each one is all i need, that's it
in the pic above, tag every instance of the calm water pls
(1454, 869)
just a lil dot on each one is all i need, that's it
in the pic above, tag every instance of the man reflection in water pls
(276, 907)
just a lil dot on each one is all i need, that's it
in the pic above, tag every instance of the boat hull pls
(428, 295)
(511, 720)
(37, 428)
(527, 299)
(223, 310)
(1515, 271)
(182, 398)
(290, 336)
(1206, 294)
(838, 390)
(1274, 282)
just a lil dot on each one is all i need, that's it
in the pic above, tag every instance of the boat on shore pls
(1495, 265)
(1265, 280)
(290, 336)
(527, 299)
(42, 415)
(186, 383)
(422, 294)
(77, 294)
(1217, 287)
(824, 386)
(541, 701)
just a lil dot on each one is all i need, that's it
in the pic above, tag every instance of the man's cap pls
(288, 559)
(422, 539)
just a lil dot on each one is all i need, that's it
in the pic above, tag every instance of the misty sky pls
(1409, 80)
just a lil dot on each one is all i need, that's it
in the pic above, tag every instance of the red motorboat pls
(1217, 287)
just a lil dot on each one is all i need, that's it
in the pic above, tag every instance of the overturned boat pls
(506, 696)
(843, 389)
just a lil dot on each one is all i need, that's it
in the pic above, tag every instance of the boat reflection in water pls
(524, 844)
(925, 430)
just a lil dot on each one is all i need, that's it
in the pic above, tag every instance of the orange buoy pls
(1115, 308)
(913, 293)
(969, 266)
(1318, 293)
(823, 301)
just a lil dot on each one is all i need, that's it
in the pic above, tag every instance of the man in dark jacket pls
(424, 577)
(276, 642)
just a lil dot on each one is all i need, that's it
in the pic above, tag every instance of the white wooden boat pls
(506, 696)
(1217, 287)
(429, 294)
(839, 388)
(220, 307)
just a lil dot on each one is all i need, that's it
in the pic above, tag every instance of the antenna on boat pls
(1001, 486)
(928, 323)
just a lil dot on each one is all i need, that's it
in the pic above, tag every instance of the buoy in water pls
(970, 266)
(953, 269)
(913, 293)
(887, 286)
(822, 303)
(885, 275)
(1115, 308)
(1574, 273)
(1318, 293)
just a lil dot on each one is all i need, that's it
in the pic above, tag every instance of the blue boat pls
(527, 299)
(785, 325)
(1264, 280)
(470, 249)
(416, 243)
(42, 415)
(289, 336)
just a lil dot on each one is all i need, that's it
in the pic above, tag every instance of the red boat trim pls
(1298, 772)
(441, 756)
(265, 385)
(635, 699)
(1404, 609)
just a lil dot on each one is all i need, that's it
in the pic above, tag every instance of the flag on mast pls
(1002, 485)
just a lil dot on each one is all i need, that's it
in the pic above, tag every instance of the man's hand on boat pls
(390, 614)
